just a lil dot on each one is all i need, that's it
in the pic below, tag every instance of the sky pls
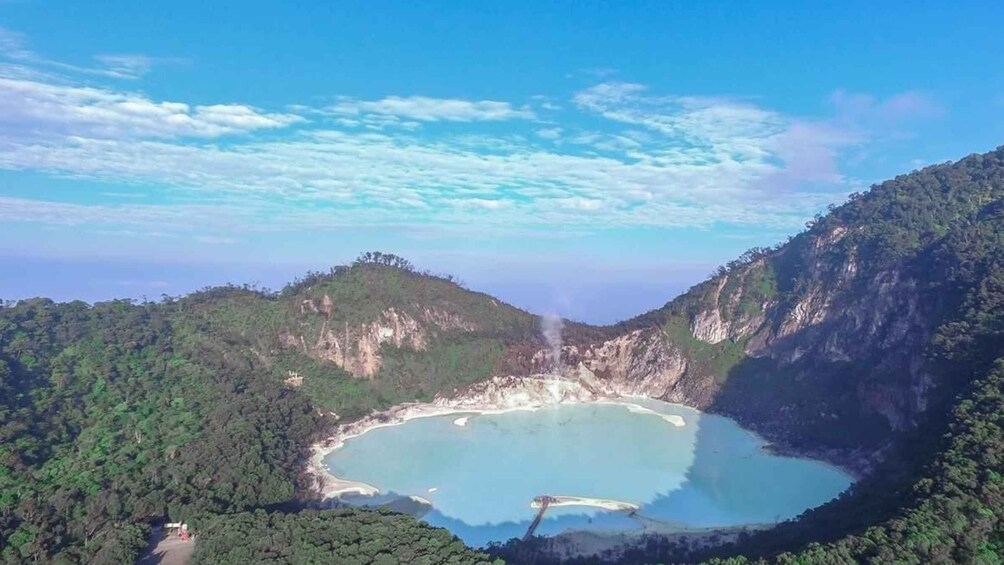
(592, 159)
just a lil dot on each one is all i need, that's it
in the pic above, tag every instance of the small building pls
(293, 379)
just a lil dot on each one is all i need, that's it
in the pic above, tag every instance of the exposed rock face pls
(708, 326)
(503, 393)
(843, 320)
(356, 348)
(642, 362)
(712, 325)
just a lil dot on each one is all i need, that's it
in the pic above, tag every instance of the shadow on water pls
(474, 535)
(734, 481)
(483, 534)
(733, 484)
(814, 404)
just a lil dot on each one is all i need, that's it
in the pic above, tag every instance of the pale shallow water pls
(707, 473)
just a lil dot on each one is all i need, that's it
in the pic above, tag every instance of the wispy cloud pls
(549, 133)
(14, 47)
(216, 239)
(132, 66)
(33, 109)
(709, 122)
(859, 108)
(659, 161)
(811, 150)
(393, 109)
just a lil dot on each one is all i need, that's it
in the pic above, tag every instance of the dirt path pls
(166, 549)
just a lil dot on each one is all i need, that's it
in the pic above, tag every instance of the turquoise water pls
(483, 476)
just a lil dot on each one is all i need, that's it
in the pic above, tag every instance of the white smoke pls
(550, 326)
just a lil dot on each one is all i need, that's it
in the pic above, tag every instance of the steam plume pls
(550, 326)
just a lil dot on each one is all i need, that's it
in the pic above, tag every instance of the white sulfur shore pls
(497, 396)
(330, 485)
(673, 419)
(604, 503)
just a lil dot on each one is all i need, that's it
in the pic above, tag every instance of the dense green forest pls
(110, 418)
(117, 415)
(345, 536)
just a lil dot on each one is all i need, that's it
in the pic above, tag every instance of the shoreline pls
(529, 394)
(674, 419)
(501, 395)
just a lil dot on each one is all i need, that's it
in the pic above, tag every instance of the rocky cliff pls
(841, 354)
(356, 348)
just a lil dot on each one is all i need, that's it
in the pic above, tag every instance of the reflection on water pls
(480, 478)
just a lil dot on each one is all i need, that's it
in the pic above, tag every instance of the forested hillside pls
(111, 417)
(950, 514)
(365, 336)
(346, 537)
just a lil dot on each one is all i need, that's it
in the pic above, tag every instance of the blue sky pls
(589, 158)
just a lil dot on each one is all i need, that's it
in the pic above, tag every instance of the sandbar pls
(605, 503)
